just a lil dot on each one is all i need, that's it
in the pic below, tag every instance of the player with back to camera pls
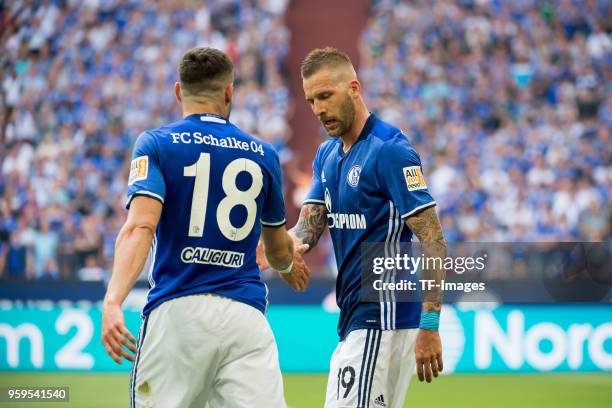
(200, 192)
(367, 186)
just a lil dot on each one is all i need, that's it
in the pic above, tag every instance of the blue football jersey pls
(368, 192)
(218, 185)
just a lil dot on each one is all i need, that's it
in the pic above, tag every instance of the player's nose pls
(319, 110)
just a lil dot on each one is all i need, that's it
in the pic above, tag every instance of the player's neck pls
(350, 137)
(211, 109)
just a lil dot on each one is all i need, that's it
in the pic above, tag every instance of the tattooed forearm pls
(311, 224)
(426, 226)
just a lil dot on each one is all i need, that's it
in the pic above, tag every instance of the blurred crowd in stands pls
(79, 82)
(509, 104)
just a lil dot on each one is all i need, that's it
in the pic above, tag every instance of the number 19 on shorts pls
(346, 381)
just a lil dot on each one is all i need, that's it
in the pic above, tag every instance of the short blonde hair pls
(322, 58)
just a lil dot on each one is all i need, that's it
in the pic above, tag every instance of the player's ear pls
(354, 88)
(177, 92)
(229, 93)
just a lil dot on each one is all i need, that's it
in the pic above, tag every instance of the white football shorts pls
(371, 368)
(206, 348)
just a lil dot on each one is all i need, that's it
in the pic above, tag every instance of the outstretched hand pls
(299, 277)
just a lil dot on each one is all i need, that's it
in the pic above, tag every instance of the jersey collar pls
(367, 128)
(208, 117)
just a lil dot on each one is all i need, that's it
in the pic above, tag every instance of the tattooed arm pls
(310, 225)
(305, 235)
(428, 348)
(426, 226)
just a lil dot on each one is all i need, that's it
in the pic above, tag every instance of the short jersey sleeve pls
(316, 194)
(146, 177)
(273, 212)
(400, 176)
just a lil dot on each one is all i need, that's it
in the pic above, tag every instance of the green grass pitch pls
(102, 390)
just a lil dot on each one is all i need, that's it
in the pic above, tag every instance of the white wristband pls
(287, 269)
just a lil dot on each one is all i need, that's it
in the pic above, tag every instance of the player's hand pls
(299, 277)
(428, 352)
(115, 336)
(260, 257)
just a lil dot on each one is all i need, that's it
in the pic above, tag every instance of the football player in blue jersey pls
(200, 193)
(368, 186)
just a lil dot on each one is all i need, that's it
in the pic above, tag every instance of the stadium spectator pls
(16, 256)
(92, 271)
(44, 247)
(66, 250)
